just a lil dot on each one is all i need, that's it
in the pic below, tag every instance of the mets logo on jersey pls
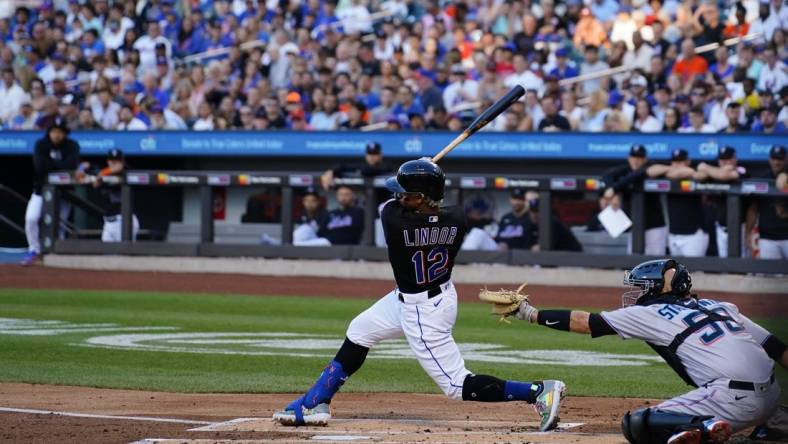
(339, 222)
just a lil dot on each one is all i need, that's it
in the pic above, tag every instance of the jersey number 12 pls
(431, 266)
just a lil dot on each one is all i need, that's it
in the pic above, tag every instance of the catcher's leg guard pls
(651, 426)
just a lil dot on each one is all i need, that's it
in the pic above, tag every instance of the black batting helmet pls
(419, 176)
(649, 278)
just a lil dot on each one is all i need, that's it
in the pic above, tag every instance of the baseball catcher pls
(714, 348)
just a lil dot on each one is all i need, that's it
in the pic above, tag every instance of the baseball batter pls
(423, 240)
(727, 358)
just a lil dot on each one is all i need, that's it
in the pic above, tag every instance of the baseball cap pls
(311, 191)
(733, 104)
(156, 108)
(777, 152)
(679, 155)
(638, 151)
(615, 98)
(115, 154)
(293, 97)
(682, 98)
(373, 148)
(562, 52)
(726, 152)
(60, 124)
(638, 81)
(517, 193)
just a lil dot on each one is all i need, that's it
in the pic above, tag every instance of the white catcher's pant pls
(722, 241)
(427, 325)
(33, 215)
(112, 229)
(741, 408)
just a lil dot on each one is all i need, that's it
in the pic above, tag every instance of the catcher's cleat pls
(686, 437)
(548, 402)
(717, 430)
(317, 416)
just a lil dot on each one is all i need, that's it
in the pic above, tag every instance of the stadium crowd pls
(393, 64)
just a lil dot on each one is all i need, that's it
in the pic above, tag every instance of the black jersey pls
(422, 247)
(516, 231)
(685, 212)
(622, 179)
(342, 226)
(772, 215)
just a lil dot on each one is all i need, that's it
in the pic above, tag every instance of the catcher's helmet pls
(419, 176)
(649, 277)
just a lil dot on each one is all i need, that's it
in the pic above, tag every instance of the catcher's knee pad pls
(652, 426)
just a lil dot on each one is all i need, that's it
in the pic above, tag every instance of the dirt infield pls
(43, 413)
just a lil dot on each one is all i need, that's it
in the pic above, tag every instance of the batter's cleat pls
(317, 416)
(548, 403)
(30, 259)
(686, 437)
(717, 430)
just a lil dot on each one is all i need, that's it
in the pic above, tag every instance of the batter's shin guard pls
(325, 387)
(651, 426)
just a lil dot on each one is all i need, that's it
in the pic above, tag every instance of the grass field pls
(217, 343)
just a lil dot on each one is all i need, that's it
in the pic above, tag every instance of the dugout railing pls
(457, 185)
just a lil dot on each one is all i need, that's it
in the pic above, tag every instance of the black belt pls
(744, 385)
(431, 293)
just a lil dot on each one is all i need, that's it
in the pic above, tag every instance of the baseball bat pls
(484, 118)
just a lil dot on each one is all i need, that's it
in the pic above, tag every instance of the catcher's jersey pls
(722, 349)
(422, 247)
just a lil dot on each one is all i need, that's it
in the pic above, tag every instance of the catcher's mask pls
(647, 280)
(418, 177)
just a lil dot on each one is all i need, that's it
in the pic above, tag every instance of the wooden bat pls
(484, 118)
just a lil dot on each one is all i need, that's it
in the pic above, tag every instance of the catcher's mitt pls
(505, 302)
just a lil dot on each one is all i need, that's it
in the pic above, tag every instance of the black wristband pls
(774, 347)
(557, 319)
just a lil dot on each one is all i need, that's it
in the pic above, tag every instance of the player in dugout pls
(53, 152)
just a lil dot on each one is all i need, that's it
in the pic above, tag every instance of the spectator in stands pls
(406, 104)
(11, 96)
(343, 225)
(645, 122)
(770, 212)
(355, 117)
(640, 54)
(727, 171)
(690, 64)
(25, 119)
(385, 109)
(552, 121)
(774, 73)
(514, 229)
(105, 110)
(54, 152)
(620, 182)
(523, 76)
(127, 120)
(734, 115)
(686, 236)
(697, 122)
(570, 110)
(460, 90)
(768, 122)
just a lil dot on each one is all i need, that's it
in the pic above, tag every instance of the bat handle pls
(457, 140)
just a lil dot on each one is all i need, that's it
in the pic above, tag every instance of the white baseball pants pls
(773, 249)
(478, 239)
(306, 236)
(722, 241)
(688, 245)
(112, 229)
(427, 324)
(741, 408)
(32, 217)
(656, 241)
